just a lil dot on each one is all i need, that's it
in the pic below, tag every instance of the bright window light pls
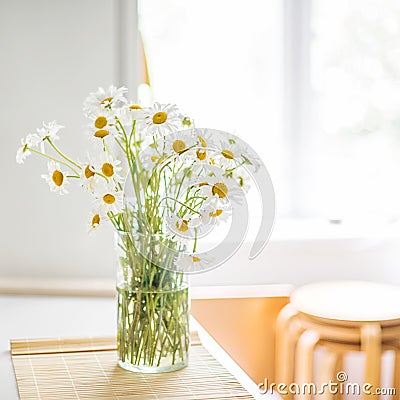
(355, 77)
(220, 61)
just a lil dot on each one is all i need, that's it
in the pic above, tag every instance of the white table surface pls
(46, 316)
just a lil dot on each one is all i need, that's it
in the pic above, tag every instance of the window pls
(355, 79)
(313, 86)
(221, 62)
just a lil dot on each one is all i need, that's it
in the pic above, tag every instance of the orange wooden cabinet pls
(244, 328)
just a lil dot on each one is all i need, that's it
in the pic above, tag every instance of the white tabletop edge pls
(227, 362)
(240, 292)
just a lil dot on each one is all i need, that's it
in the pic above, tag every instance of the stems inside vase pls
(153, 308)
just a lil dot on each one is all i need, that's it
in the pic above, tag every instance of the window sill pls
(318, 229)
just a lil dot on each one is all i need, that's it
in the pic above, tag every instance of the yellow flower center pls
(57, 177)
(183, 226)
(195, 259)
(88, 172)
(107, 169)
(100, 122)
(135, 107)
(220, 189)
(201, 154)
(228, 154)
(109, 198)
(106, 100)
(101, 133)
(154, 158)
(212, 161)
(179, 146)
(217, 213)
(203, 184)
(160, 117)
(202, 141)
(95, 220)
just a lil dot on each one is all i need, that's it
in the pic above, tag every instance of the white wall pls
(302, 261)
(53, 53)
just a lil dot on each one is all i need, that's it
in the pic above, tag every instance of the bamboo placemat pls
(87, 369)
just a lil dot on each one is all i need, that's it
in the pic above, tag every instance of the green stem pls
(195, 240)
(103, 176)
(62, 154)
(53, 159)
(177, 201)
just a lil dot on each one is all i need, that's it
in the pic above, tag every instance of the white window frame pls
(129, 65)
(296, 98)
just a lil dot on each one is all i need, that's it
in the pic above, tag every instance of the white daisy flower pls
(150, 158)
(231, 153)
(220, 187)
(161, 119)
(205, 139)
(109, 99)
(235, 153)
(89, 178)
(192, 262)
(97, 219)
(182, 227)
(22, 152)
(200, 152)
(179, 142)
(128, 116)
(49, 130)
(103, 125)
(56, 178)
(129, 113)
(31, 141)
(110, 167)
(212, 212)
(108, 198)
(205, 150)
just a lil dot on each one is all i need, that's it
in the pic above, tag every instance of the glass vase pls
(153, 307)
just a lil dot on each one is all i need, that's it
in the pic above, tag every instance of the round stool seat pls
(356, 301)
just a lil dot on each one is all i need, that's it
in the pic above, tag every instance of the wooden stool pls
(362, 314)
(332, 364)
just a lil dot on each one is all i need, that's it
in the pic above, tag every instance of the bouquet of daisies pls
(163, 184)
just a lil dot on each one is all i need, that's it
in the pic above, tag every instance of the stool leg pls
(295, 333)
(328, 373)
(339, 367)
(304, 361)
(396, 374)
(371, 344)
(284, 345)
